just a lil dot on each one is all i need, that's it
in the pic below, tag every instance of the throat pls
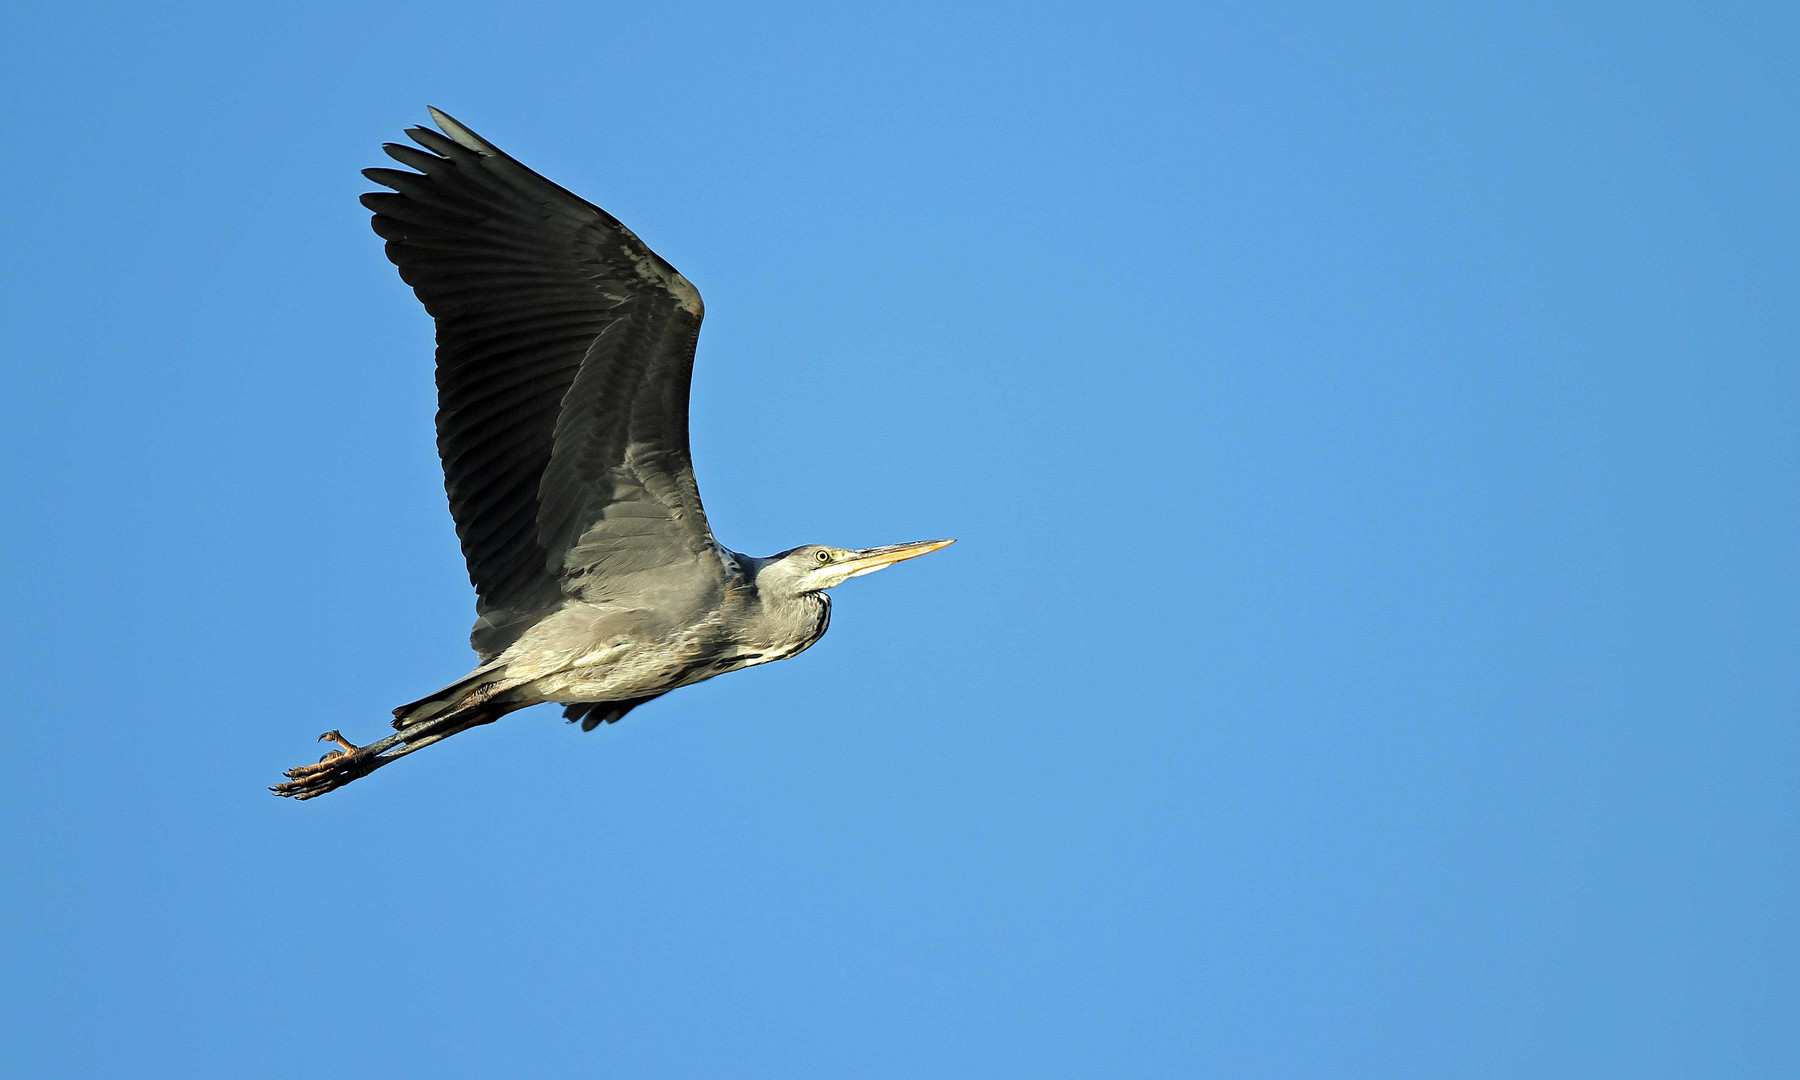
(795, 625)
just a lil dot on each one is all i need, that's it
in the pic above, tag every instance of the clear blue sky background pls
(1371, 653)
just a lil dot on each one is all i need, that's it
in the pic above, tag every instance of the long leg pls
(354, 762)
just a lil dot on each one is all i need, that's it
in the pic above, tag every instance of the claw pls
(333, 771)
(335, 737)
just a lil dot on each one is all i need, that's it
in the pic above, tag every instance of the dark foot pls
(333, 771)
(339, 767)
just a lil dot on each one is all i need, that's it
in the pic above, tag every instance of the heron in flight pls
(565, 348)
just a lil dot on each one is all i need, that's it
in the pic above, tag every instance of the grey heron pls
(565, 348)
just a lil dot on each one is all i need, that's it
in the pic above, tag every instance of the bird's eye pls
(824, 557)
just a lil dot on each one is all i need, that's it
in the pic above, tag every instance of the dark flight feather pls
(565, 353)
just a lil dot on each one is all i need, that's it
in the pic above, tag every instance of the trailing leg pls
(353, 762)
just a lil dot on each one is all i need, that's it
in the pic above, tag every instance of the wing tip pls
(459, 134)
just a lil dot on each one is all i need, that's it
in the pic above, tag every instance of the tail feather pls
(475, 688)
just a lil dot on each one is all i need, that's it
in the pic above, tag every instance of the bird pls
(565, 351)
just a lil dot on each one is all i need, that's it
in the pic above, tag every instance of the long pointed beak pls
(872, 559)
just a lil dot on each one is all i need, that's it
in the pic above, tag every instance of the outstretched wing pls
(565, 348)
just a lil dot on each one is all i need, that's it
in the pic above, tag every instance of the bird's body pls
(609, 651)
(565, 350)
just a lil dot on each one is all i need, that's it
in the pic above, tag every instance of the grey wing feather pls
(565, 352)
(594, 713)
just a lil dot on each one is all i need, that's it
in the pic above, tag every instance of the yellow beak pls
(872, 559)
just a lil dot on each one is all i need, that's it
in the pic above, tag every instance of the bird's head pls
(815, 567)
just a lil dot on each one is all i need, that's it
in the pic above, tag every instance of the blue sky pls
(1371, 651)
